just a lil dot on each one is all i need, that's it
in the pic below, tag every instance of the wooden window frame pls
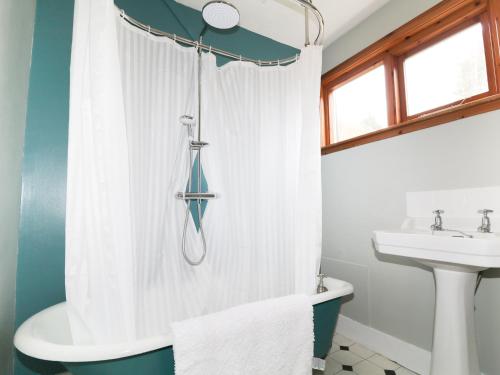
(345, 79)
(445, 19)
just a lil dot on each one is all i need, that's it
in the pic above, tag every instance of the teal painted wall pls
(17, 20)
(40, 270)
(40, 274)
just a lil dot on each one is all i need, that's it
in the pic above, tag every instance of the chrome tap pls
(486, 223)
(321, 286)
(438, 221)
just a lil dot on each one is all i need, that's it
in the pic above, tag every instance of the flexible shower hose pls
(200, 219)
(190, 171)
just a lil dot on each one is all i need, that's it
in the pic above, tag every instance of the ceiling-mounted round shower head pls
(220, 14)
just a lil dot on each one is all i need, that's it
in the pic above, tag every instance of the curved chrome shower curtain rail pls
(304, 3)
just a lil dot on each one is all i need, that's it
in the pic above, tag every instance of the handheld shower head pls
(189, 122)
(221, 14)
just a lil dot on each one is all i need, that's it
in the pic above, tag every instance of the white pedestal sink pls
(455, 261)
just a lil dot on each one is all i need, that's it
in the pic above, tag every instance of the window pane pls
(446, 72)
(359, 106)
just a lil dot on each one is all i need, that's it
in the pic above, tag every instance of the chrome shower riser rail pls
(304, 3)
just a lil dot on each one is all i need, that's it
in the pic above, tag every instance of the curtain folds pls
(99, 249)
(127, 157)
(264, 233)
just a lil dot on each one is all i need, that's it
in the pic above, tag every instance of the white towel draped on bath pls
(271, 337)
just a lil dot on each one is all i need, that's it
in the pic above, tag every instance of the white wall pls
(364, 189)
(16, 34)
(385, 20)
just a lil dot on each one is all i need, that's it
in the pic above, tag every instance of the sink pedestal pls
(455, 257)
(454, 346)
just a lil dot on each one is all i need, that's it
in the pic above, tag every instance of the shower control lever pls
(195, 196)
(486, 222)
(197, 145)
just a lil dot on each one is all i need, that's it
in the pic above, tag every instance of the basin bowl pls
(445, 247)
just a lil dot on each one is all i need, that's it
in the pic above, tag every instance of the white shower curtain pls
(264, 233)
(127, 157)
(99, 252)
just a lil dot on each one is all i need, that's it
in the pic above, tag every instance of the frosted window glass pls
(448, 71)
(359, 106)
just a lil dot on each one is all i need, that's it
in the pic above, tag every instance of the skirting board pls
(410, 356)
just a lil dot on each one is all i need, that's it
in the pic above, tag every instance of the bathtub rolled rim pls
(27, 342)
(336, 289)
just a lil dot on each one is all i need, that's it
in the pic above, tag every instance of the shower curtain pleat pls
(308, 214)
(159, 87)
(263, 127)
(98, 216)
(126, 277)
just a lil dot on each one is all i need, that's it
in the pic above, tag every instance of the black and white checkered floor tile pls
(349, 358)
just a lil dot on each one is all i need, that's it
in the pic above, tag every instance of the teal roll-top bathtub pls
(47, 336)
